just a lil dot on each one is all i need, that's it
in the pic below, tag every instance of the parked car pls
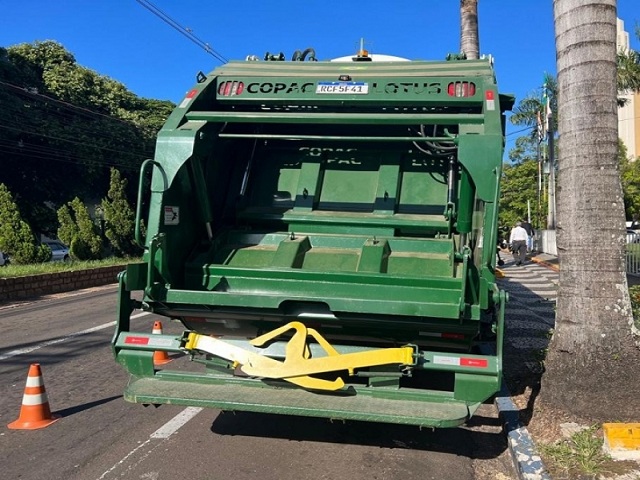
(632, 236)
(59, 251)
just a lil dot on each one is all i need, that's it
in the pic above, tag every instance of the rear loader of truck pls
(325, 232)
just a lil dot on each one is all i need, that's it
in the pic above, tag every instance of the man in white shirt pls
(518, 240)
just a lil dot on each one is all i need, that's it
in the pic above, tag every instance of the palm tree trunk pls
(469, 40)
(592, 359)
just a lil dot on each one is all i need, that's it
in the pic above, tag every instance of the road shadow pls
(67, 412)
(467, 440)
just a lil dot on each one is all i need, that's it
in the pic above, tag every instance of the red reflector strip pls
(136, 340)
(449, 335)
(474, 362)
(490, 98)
(453, 336)
(187, 98)
(460, 361)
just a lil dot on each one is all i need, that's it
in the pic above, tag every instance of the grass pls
(578, 456)
(11, 270)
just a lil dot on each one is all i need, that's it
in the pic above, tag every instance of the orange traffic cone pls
(159, 357)
(35, 412)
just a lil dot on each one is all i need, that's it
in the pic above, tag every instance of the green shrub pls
(16, 236)
(67, 229)
(119, 217)
(78, 230)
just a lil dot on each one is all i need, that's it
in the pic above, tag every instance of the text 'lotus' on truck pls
(325, 231)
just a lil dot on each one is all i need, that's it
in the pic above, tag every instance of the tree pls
(628, 79)
(592, 356)
(630, 177)
(67, 227)
(519, 184)
(469, 41)
(78, 230)
(119, 216)
(529, 112)
(16, 237)
(62, 121)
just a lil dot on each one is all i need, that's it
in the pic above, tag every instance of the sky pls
(126, 42)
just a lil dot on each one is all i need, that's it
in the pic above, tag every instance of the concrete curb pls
(551, 266)
(526, 461)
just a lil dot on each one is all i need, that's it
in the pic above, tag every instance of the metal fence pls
(545, 241)
(632, 257)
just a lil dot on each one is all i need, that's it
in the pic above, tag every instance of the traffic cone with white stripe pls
(159, 357)
(35, 412)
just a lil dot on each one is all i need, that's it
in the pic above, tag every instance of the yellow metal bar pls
(297, 366)
(293, 367)
(244, 358)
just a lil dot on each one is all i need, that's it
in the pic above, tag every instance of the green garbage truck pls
(325, 231)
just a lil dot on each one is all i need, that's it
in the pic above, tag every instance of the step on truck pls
(325, 231)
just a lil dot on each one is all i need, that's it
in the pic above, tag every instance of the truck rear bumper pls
(432, 409)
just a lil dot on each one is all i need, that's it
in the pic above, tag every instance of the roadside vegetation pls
(577, 455)
(72, 142)
(111, 234)
(12, 270)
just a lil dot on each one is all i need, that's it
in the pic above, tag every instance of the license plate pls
(349, 88)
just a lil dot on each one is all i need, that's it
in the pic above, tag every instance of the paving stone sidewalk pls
(530, 314)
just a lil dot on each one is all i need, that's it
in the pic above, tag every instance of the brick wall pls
(37, 285)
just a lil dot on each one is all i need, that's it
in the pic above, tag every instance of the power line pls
(522, 130)
(69, 115)
(72, 141)
(183, 30)
(81, 161)
(31, 93)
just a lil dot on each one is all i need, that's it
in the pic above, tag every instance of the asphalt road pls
(100, 436)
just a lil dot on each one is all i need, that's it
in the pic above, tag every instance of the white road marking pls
(176, 422)
(164, 432)
(124, 459)
(22, 351)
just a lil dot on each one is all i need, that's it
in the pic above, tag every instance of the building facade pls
(629, 115)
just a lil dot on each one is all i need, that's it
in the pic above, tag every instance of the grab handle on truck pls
(143, 169)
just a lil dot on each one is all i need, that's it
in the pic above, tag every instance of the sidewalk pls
(546, 260)
(551, 261)
(529, 316)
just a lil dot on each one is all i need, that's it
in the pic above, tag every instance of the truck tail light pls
(461, 89)
(230, 89)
